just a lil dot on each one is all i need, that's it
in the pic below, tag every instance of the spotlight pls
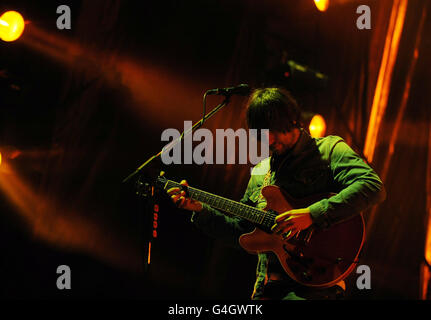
(11, 26)
(317, 126)
(314, 123)
(322, 5)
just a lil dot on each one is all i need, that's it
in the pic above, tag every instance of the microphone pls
(242, 90)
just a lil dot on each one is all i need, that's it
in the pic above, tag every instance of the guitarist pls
(302, 166)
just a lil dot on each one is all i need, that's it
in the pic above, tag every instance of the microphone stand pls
(151, 207)
(175, 142)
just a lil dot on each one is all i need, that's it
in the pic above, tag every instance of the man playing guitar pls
(301, 166)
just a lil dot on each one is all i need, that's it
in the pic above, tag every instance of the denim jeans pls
(286, 290)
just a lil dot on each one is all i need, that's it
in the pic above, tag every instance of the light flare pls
(317, 126)
(11, 26)
(321, 5)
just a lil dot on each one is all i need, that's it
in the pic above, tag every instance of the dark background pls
(81, 109)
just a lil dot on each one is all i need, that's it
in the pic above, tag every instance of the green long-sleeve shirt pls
(313, 166)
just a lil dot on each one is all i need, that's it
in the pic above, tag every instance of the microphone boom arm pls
(178, 140)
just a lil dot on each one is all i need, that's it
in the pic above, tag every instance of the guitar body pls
(315, 258)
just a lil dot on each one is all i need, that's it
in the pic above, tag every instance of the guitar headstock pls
(146, 187)
(161, 180)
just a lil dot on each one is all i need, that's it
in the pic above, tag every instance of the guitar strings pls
(259, 216)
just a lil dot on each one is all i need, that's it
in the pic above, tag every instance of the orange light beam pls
(381, 93)
(142, 80)
(426, 270)
(60, 227)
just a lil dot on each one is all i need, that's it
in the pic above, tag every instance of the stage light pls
(314, 124)
(322, 5)
(317, 126)
(11, 26)
(0, 158)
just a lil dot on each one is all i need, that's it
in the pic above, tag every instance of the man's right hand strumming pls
(178, 196)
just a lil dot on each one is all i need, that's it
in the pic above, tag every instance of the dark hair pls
(273, 109)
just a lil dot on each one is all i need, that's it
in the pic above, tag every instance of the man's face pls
(280, 142)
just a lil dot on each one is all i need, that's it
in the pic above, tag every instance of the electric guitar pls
(314, 257)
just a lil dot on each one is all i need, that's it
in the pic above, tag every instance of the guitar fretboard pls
(252, 214)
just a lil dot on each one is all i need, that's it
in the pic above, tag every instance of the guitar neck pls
(239, 209)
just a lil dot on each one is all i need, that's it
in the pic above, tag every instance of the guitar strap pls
(266, 181)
